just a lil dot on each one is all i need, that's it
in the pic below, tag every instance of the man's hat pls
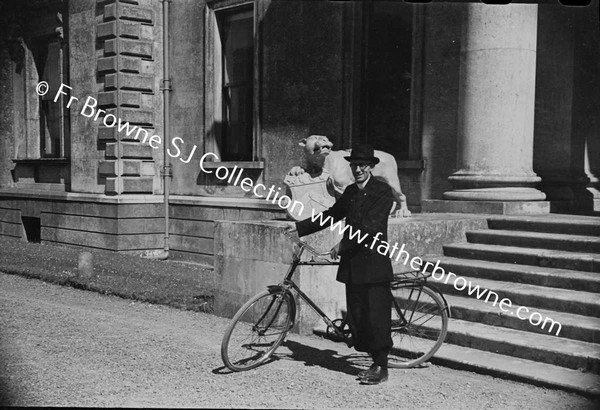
(362, 153)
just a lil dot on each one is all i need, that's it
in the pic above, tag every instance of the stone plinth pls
(487, 207)
(249, 255)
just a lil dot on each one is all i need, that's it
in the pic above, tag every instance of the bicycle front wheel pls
(419, 324)
(257, 329)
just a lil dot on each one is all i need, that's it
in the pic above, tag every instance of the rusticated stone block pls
(130, 64)
(137, 242)
(137, 82)
(107, 134)
(107, 64)
(107, 168)
(104, 30)
(107, 99)
(137, 48)
(121, 98)
(130, 30)
(129, 150)
(130, 99)
(135, 13)
(135, 185)
(79, 238)
(134, 116)
(126, 64)
(126, 29)
(147, 168)
(113, 186)
(131, 167)
(10, 229)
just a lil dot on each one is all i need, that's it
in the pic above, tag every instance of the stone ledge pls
(41, 194)
(486, 207)
(249, 203)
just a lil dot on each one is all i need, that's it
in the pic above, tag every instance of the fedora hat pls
(362, 153)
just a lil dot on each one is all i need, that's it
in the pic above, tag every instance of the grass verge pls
(173, 283)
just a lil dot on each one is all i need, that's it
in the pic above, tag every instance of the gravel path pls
(65, 347)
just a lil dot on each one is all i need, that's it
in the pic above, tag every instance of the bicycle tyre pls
(426, 313)
(269, 314)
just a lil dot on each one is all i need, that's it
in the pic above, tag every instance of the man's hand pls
(335, 251)
(403, 212)
(291, 230)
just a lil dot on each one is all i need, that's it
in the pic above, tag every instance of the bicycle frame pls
(288, 283)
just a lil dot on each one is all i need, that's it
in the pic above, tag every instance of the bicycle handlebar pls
(306, 246)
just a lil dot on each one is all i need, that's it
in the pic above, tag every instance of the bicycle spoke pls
(257, 330)
(419, 322)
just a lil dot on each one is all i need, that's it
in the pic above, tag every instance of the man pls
(366, 205)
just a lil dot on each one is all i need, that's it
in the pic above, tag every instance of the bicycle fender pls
(436, 290)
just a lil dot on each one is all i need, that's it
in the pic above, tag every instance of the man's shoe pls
(363, 373)
(378, 375)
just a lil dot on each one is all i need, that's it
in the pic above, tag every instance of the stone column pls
(496, 107)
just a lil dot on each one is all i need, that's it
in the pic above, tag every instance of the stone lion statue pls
(319, 157)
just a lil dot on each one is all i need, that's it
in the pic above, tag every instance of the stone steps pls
(564, 300)
(510, 367)
(561, 224)
(533, 275)
(548, 264)
(543, 240)
(573, 354)
(586, 262)
(529, 371)
(577, 327)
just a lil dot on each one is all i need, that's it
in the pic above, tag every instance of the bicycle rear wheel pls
(419, 324)
(257, 329)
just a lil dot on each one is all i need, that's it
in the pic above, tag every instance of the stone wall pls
(123, 224)
(192, 223)
(249, 255)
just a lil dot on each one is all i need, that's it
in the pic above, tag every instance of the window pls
(43, 125)
(50, 63)
(231, 127)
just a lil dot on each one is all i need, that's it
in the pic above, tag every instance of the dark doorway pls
(386, 77)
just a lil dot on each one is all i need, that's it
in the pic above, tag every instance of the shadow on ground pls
(327, 359)
(310, 356)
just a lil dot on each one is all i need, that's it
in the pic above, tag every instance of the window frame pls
(48, 29)
(36, 164)
(213, 94)
(354, 33)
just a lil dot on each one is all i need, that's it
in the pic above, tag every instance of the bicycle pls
(419, 318)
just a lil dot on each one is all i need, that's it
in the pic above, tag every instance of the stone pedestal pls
(496, 106)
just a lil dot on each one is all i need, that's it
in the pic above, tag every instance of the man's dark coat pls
(368, 210)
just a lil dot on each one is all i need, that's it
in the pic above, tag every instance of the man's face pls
(361, 170)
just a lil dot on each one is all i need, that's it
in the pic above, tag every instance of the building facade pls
(108, 104)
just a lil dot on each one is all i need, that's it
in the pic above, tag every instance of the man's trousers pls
(370, 316)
